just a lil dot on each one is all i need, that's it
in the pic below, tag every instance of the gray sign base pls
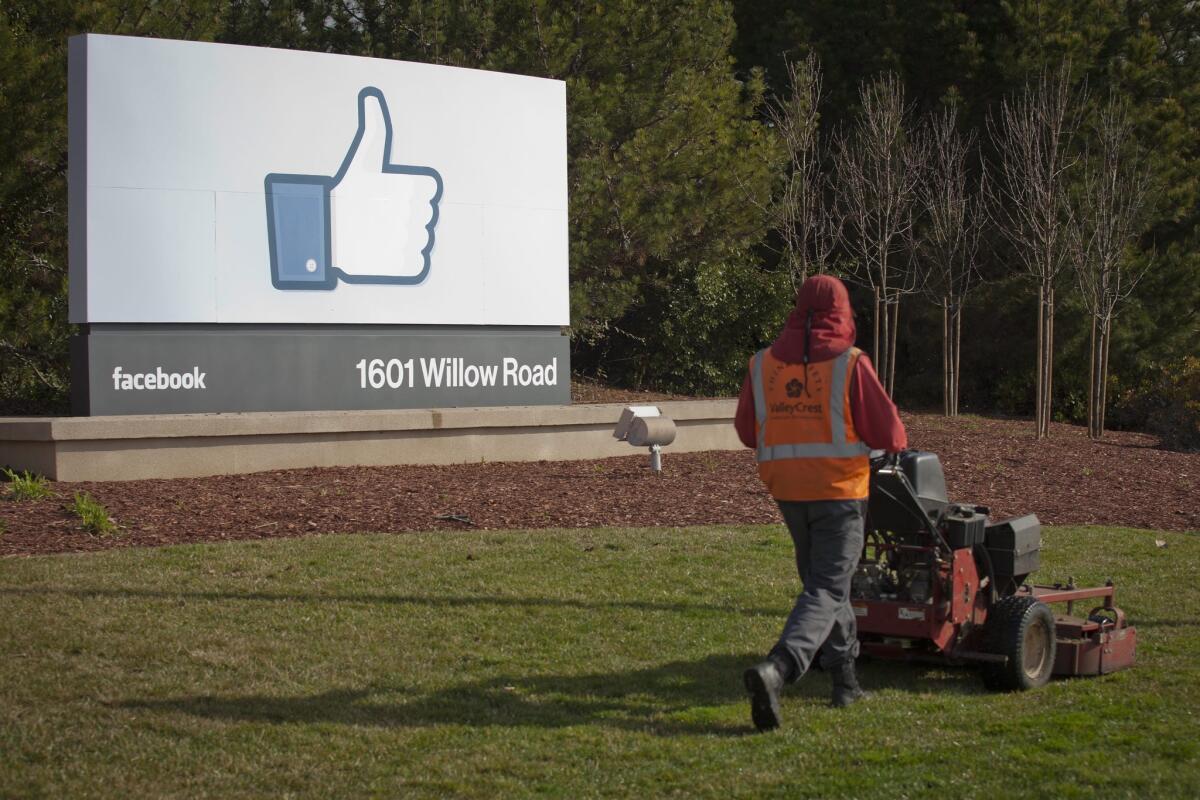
(157, 369)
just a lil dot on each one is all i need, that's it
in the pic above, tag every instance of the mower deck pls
(941, 582)
(1098, 644)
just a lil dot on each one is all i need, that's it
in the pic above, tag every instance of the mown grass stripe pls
(583, 663)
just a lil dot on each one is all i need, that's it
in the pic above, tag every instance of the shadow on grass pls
(678, 698)
(437, 601)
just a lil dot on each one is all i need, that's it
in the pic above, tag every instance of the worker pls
(812, 408)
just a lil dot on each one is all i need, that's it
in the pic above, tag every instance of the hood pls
(832, 331)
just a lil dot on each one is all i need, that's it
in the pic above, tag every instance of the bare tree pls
(1034, 137)
(877, 178)
(954, 220)
(1112, 197)
(806, 222)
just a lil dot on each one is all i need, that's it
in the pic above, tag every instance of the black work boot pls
(764, 683)
(845, 685)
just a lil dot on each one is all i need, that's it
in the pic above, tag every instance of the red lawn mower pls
(940, 581)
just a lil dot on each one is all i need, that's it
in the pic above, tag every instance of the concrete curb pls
(194, 445)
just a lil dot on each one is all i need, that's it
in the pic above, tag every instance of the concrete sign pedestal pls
(193, 445)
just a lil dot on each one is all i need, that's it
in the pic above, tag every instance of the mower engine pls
(941, 581)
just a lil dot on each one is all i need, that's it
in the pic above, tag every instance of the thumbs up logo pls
(371, 222)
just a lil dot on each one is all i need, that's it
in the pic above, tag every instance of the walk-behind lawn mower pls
(940, 581)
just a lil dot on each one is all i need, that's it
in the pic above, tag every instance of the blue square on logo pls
(298, 231)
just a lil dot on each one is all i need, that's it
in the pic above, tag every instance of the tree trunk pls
(1104, 375)
(1098, 395)
(880, 367)
(954, 364)
(895, 321)
(1049, 364)
(946, 357)
(1092, 399)
(884, 327)
(1041, 357)
(1045, 362)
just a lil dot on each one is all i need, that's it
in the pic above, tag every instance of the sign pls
(220, 183)
(252, 368)
(217, 185)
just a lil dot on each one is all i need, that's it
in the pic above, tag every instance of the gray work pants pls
(828, 535)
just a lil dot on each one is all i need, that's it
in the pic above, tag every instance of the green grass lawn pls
(596, 662)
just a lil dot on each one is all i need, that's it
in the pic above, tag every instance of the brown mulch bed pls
(1124, 480)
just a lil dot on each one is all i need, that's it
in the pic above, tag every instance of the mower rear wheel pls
(1022, 629)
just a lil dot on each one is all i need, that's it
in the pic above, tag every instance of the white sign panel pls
(216, 183)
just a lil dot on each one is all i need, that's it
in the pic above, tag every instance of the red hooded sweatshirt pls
(833, 332)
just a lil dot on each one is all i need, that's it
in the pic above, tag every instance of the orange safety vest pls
(807, 446)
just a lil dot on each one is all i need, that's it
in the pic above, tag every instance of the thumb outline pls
(361, 131)
(393, 169)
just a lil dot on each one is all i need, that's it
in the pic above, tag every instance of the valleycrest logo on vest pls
(797, 409)
(805, 397)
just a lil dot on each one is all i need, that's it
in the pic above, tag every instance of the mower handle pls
(889, 463)
(882, 458)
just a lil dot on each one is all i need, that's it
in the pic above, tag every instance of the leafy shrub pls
(27, 486)
(94, 516)
(1165, 402)
(694, 334)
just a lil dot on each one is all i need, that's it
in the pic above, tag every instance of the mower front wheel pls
(1021, 628)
